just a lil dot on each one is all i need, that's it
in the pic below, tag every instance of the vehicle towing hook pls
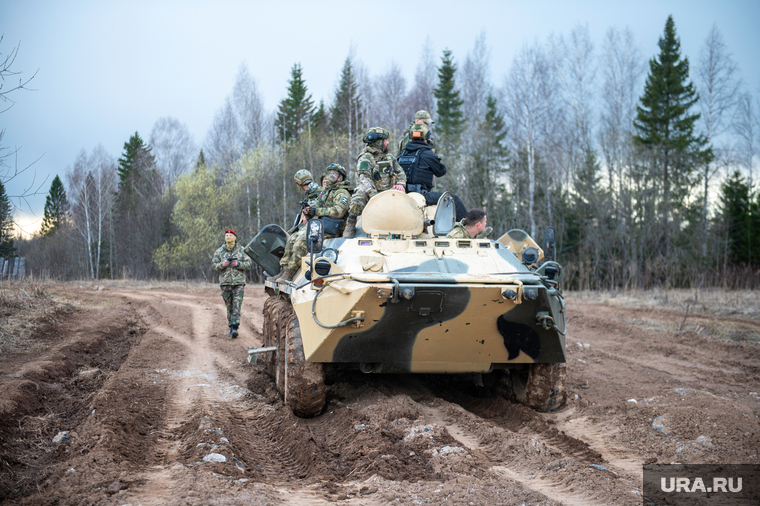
(546, 321)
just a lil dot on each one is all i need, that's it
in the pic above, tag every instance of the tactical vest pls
(410, 162)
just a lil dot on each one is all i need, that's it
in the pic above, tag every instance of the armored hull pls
(403, 298)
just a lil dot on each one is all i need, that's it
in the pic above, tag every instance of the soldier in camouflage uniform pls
(378, 171)
(331, 203)
(311, 191)
(474, 226)
(419, 117)
(231, 277)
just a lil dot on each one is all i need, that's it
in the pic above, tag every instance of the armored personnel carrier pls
(400, 297)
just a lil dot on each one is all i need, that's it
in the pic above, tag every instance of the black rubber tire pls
(301, 383)
(275, 309)
(539, 386)
(305, 381)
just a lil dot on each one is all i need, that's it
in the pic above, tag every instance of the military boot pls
(278, 275)
(350, 230)
(287, 275)
(234, 332)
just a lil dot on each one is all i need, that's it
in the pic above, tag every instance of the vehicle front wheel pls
(539, 386)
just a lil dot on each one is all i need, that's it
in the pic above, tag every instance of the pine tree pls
(6, 224)
(296, 109)
(450, 118)
(201, 160)
(345, 113)
(319, 118)
(489, 160)
(735, 208)
(136, 163)
(665, 126)
(56, 208)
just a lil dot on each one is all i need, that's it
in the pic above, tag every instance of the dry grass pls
(725, 314)
(24, 306)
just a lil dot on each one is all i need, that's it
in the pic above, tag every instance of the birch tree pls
(528, 89)
(718, 85)
(392, 112)
(173, 147)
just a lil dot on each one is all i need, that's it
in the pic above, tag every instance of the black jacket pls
(420, 164)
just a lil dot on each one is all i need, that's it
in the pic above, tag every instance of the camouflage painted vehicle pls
(400, 297)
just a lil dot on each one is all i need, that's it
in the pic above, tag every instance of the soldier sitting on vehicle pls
(331, 207)
(312, 191)
(472, 227)
(420, 117)
(422, 166)
(378, 171)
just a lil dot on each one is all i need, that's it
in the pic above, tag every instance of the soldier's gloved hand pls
(400, 188)
(311, 210)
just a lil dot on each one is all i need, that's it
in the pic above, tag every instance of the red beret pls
(230, 231)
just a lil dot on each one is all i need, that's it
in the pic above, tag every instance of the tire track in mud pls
(207, 409)
(195, 384)
(518, 444)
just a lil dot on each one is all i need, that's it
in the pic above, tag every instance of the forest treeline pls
(642, 163)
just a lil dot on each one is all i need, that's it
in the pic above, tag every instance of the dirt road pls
(162, 408)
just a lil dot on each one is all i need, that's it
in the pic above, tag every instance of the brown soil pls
(148, 385)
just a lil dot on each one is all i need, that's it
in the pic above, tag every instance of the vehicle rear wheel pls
(275, 317)
(304, 390)
(539, 386)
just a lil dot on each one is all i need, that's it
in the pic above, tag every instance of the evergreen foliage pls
(486, 177)
(294, 111)
(665, 127)
(6, 224)
(319, 118)
(345, 113)
(449, 119)
(135, 164)
(741, 219)
(56, 208)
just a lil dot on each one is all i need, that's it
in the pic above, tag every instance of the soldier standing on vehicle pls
(474, 226)
(420, 117)
(378, 171)
(331, 207)
(422, 166)
(311, 191)
(232, 262)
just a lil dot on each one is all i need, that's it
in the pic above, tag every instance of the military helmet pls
(303, 177)
(419, 132)
(424, 116)
(375, 134)
(337, 168)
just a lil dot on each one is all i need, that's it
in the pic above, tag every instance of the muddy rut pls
(161, 407)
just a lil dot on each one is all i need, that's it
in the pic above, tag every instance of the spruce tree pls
(201, 160)
(56, 208)
(135, 163)
(736, 206)
(489, 160)
(450, 118)
(6, 224)
(319, 118)
(665, 127)
(295, 110)
(345, 113)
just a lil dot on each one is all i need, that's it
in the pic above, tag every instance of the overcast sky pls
(108, 69)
